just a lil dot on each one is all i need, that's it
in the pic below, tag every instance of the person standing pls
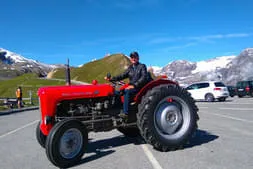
(19, 96)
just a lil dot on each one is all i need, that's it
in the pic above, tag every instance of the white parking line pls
(151, 158)
(207, 103)
(236, 103)
(230, 117)
(202, 107)
(20, 128)
(230, 108)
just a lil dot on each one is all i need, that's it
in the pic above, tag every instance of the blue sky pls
(162, 31)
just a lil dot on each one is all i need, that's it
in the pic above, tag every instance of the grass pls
(29, 83)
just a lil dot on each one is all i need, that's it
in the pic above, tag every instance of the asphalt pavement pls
(223, 141)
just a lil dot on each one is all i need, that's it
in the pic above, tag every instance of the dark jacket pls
(137, 75)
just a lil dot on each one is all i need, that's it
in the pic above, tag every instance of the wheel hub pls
(71, 143)
(168, 118)
(171, 117)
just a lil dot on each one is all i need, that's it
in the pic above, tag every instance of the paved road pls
(224, 141)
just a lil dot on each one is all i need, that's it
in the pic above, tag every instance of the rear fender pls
(151, 85)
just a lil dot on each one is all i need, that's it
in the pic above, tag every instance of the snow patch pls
(213, 64)
(156, 69)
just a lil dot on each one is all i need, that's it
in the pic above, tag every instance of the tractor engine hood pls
(75, 91)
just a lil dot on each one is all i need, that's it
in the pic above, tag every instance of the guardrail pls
(12, 102)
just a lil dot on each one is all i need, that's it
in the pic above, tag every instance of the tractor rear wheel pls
(167, 117)
(66, 143)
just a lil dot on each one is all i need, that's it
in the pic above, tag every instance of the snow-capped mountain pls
(194, 67)
(17, 65)
(11, 57)
(228, 69)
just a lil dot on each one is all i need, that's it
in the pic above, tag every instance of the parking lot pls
(223, 141)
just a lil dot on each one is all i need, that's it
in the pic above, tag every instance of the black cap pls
(134, 55)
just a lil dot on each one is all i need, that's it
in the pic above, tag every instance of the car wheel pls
(209, 97)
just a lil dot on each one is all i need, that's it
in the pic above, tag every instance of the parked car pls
(208, 91)
(232, 91)
(244, 88)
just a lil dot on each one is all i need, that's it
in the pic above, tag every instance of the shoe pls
(123, 115)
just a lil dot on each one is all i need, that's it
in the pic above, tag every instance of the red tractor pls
(162, 112)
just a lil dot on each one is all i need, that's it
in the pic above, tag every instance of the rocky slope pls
(228, 69)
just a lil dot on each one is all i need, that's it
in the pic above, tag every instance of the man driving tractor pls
(164, 114)
(138, 77)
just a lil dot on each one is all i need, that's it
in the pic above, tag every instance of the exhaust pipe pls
(68, 81)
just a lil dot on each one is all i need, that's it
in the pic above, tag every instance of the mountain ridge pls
(228, 69)
(17, 65)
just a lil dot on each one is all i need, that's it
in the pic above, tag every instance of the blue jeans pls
(128, 95)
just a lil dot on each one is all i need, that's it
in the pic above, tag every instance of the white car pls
(208, 91)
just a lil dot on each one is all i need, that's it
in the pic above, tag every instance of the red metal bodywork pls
(150, 85)
(50, 96)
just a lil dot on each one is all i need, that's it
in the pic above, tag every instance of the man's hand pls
(107, 79)
(130, 87)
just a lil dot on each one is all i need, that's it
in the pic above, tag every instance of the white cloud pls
(219, 36)
(239, 35)
(205, 38)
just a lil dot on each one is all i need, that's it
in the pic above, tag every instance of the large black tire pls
(66, 143)
(129, 131)
(167, 117)
(41, 138)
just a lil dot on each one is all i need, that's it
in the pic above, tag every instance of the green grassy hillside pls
(114, 64)
(98, 69)
(28, 82)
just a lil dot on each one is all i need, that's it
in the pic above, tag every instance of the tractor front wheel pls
(66, 143)
(41, 138)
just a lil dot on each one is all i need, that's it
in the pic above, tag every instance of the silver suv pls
(208, 91)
